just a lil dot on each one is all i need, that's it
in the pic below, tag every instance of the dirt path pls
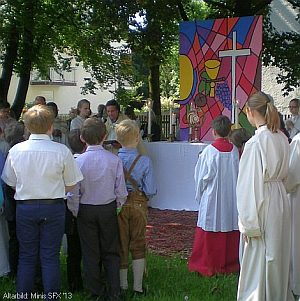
(171, 232)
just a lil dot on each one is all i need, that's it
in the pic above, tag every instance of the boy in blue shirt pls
(141, 185)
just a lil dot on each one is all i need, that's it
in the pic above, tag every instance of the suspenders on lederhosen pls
(136, 198)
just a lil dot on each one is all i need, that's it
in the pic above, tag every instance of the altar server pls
(293, 187)
(263, 207)
(216, 243)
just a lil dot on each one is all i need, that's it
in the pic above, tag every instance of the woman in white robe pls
(293, 187)
(263, 207)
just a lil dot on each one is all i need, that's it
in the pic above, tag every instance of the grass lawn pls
(167, 279)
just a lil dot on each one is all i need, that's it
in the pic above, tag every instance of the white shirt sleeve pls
(71, 173)
(73, 198)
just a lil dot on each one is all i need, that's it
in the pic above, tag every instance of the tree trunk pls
(21, 93)
(154, 89)
(182, 11)
(26, 56)
(8, 63)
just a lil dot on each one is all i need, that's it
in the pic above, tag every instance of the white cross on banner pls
(234, 53)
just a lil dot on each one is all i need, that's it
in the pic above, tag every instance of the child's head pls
(128, 133)
(83, 108)
(261, 106)
(221, 126)
(93, 131)
(53, 106)
(239, 137)
(39, 100)
(39, 119)
(76, 144)
(101, 110)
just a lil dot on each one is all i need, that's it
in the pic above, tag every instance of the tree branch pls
(261, 5)
(217, 4)
(182, 11)
(295, 3)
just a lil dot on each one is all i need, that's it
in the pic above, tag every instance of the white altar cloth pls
(174, 164)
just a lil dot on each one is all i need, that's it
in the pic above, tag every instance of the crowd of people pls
(77, 186)
(92, 180)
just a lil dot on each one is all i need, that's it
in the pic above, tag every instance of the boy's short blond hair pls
(127, 131)
(38, 119)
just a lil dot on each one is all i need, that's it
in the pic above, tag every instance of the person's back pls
(216, 174)
(274, 152)
(40, 164)
(217, 186)
(263, 206)
(101, 170)
(128, 135)
(41, 171)
(42, 157)
(141, 185)
(101, 191)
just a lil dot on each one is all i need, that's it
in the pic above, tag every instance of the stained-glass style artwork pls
(220, 66)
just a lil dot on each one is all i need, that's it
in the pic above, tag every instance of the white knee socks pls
(138, 267)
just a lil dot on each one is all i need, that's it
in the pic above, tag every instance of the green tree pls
(29, 34)
(38, 34)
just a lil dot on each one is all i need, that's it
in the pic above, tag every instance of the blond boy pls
(141, 185)
(40, 171)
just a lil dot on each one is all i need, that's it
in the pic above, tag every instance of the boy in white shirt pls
(41, 172)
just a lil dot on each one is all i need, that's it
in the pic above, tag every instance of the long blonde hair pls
(263, 104)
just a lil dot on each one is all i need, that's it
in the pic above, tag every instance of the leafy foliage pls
(123, 41)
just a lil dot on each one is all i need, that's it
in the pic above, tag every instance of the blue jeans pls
(40, 229)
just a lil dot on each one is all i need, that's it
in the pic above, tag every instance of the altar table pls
(174, 164)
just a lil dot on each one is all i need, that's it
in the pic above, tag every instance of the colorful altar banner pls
(220, 66)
